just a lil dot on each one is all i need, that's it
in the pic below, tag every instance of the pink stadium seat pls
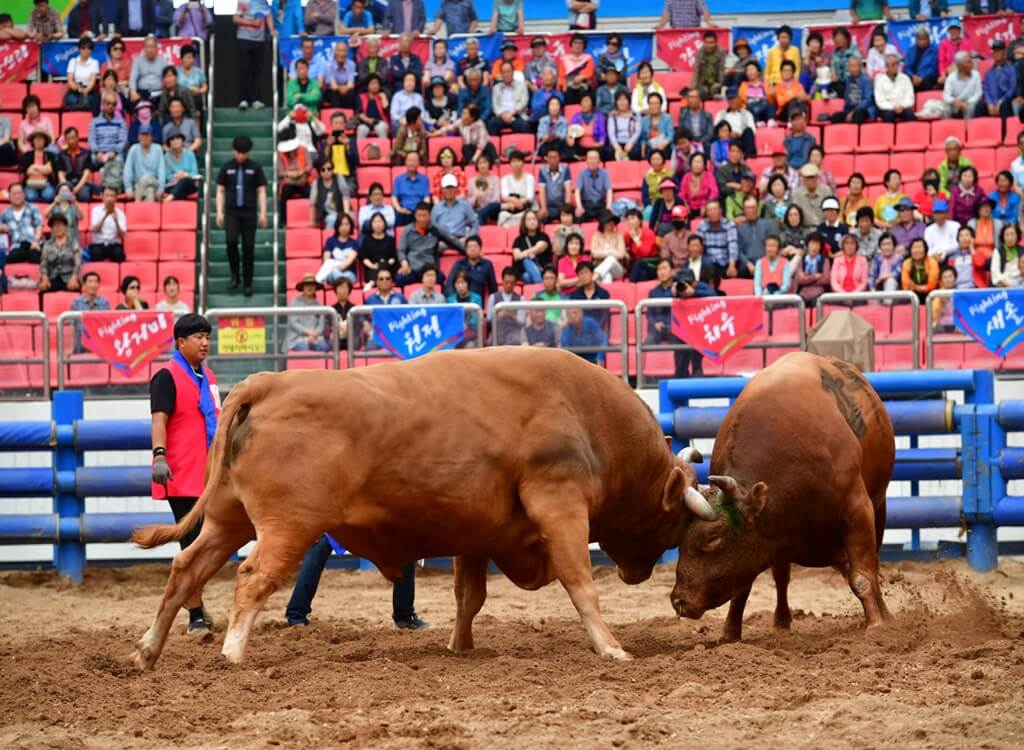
(436, 145)
(55, 303)
(1013, 128)
(141, 245)
(327, 113)
(110, 277)
(77, 120)
(51, 95)
(714, 106)
(769, 140)
(924, 96)
(145, 270)
(295, 269)
(623, 174)
(909, 163)
(840, 165)
(366, 176)
(976, 357)
(177, 245)
(738, 287)
(7, 179)
(745, 361)
(876, 137)
(303, 243)
(942, 129)
(525, 142)
(872, 166)
(983, 159)
(841, 139)
(19, 302)
(383, 151)
(624, 291)
(825, 107)
(912, 136)
(11, 94)
(673, 84)
(984, 132)
(84, 374)
(494, 238)
(184, 271)
(297, 213)
(15, 378)
(143, 215)
(26, 270)
(179, 215)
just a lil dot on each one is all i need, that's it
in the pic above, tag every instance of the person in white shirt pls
(894, 92)
(1017, 165)
(517, 191)
(83, 73)
(428, 294)
(962, 90)
(108, 225)
(940, 236)
(170, 301)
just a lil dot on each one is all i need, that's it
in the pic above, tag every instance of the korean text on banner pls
(717, 327)
(18, 60)
(409, 332)
(860, 32)
(678, 48)
(128, 339)
(241, 335)
(983, 30)
(993, 318)
(902, 33)
(57, 55)
(762, 39)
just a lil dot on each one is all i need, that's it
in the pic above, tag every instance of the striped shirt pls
(684, 14)
(721, 244)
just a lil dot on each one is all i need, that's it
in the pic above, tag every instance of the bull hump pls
(846, 388)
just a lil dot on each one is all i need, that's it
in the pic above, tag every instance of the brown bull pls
(799, 474)
(521, 456)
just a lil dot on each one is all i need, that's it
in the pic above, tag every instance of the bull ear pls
(672, 496)
(755, 500)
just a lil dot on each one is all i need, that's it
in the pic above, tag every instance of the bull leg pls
(862, 555)
(470, 593)
(879, 533)
(783, 618)
(190, 570)
(276, 557)
(733, 629)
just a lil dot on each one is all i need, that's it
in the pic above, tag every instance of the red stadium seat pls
(177, 245)
(984, 132)
(436, 145)
(297, 213)
(942, 129)
(876, 137)
(624, 174)
(983, 159)
(840, 165)
(383, 151)
(525, 142)
(141, 245)
(110, 277)
(84, 374)
(494, 238)
(146, 271)
(144, 215)
(77, 120)
(912, 136)
(303, 243)
(55, 303)
(923, 96)
(51, 95)
(909, 163)
(872, 166)
(179, 215)
(737, 287)
(825, 107)
(11, 95)
(7, 179)
(184, 271)
(673, 84)
(769, 140)
(366, 176)
(841, 139)
(19, 302)
(295, 269)
(1013, 128)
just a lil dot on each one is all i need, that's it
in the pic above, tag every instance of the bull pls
(520, 456)
(798, 475)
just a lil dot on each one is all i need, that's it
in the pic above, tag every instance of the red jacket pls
(186, 437)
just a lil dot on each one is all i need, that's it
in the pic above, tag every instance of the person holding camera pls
(659, 319)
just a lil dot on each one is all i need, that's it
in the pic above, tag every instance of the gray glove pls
(161, 471)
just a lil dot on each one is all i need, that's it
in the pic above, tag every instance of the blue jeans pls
(403, 595)
(40, 195)
(531, 272)
(333, 276)
(305, 346)
(489, 212)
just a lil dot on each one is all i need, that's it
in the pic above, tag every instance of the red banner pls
(983, 30)
(678, 48)
(17, 61)
(128, 339)
(861, 33)
(169, 49)
(389, 48)
(717, 327)
(558, 44)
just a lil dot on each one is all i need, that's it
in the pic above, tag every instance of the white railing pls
(891, 300)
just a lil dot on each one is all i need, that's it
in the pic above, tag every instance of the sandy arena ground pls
(948, 672)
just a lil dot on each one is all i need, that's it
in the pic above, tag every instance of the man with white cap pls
(810, 194)
(962, 90)
(832, 228)
(454, 215)
(894, 92)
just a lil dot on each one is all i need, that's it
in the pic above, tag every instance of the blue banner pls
(55, 56)
(409, 332)
(490, 46)
(289, 49)
(762, 39)
(636, 47)
(992, 317)
(902, 33)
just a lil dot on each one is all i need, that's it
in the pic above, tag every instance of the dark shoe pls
(197, 630)
(302, 621)
(412, 623)
(248, 290)
(207, 617)
(233, 284)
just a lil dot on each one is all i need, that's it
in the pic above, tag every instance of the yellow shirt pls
(773, 67)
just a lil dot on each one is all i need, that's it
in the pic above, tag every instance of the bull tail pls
(235, 411)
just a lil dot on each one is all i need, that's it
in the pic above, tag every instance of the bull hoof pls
(617, 654)
(233, 650)
(143, 657)
(458, 647)
(781, 624)
(730, 636)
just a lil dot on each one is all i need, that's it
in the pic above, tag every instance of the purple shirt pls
(904, 235)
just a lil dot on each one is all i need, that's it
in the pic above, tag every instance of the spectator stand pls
(24, 352)
(893, 315)
(357, 341)
(785, 330)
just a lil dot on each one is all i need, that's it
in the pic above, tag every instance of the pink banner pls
(983, 30)
(389, 48)
(678, 48)
(128, 339)
(861, 33)
(558, 44)
(169, 49)
(17, 61)
(717, 327)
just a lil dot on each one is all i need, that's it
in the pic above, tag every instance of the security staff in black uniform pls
(241, 202)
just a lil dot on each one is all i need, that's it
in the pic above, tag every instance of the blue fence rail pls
(983, 461)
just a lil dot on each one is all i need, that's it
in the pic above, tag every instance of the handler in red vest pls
(185, 403)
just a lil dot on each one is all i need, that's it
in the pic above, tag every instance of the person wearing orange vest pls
(185, 403)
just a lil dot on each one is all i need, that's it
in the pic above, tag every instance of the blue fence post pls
(68, 554)
(980, 475)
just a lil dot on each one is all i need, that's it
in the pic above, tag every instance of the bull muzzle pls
(686, 609)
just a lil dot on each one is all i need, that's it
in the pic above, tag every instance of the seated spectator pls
(736, 64)
(645, 87)
(949, 168)
(38, 168)
(874, 64)
(177, 122)
(825, 177)
(83, 78)
(298, 125)
(484, 192)
(610, 90)
(458, 17)
(510, 54)
(965, 197)
(32, 121)
(8, 150)
(593, 189)
(64, 204)
(894, 92)
(849, 268)
(340, 149)
(61, 260)
(692, 118)
(539, 61)
(866, 233)
(641, 247)
(370, 63)
(340, 253)
(295, 171)
(814, 61)
(719, 240)
(108, 226)
(543, 94)
(859, 99)
(146, 77)
(385, 295)
(120, 64)
(961, 259)
(1005, 269)
(108, 139)
(709, 70)
(986, 233)
(587, 129)
(442, 107)
(302, 89)
(922, 61)
(552, 130)
(659, 319)
(813, 271)
(377, 247)
(411, 137)
(756, 94)
(337, 79)
(428, 293)
(421, 245)
(885, 268)
(376, 205)
(44, 24)
(942, 307)
(143, 115)
(541, 331)
(507, 324)
(751, 232)
(329, 197)
(305, 332)
(566, 226)
(89, 300)
(772, 272)
(518, 189)
(962, 92)
(576, 71)
(568, 263)
(581, 331)
(194, 20)
(404, 61)
(1006, 200)
(608, 249)
(407, 98)
(730, 179)
(410, 189)
(698, 186)
(809, 196)
(472, 60)
(372, 111)
(180, 169)
(954, 43)
(654, 178)
(479, 271)
(170, 91)
(475, 92)
(741, 123)
(510, 103)
(356, 21)
(656, 133)
(789, 94)
(453, 214)
(623, 131)
(531, 250)
(784, 50)
(554, 186)
(907, 226)
(441, 65)
(131, 292)
(171, 301)
(798, 142)
(307, 53)
(776, 199)
(144, 169)
(941, 234)
(549, 293)
(886, 203)
(662, 209)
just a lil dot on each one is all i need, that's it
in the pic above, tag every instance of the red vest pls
(769, 276)
(186, 437)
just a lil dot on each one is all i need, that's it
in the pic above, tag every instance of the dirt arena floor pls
(948, 672)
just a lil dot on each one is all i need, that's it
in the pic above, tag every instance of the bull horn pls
(725, 483)
(690, 455)
(699, 506)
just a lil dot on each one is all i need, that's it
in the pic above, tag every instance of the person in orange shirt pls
(509, 52)
(788, 92)
(576, 70)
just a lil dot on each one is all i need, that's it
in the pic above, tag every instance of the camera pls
(683, 283)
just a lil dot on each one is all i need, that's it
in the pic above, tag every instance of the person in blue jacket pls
(859, 99)
(922, 61)
(922, 10)
(999, 86)
(288, 17)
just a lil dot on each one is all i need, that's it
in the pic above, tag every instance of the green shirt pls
(308, 95)
(552, 314)
(869, 10)
(943, 170)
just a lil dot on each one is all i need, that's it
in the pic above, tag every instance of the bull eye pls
(712, 544)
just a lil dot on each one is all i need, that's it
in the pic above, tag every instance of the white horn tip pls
(699, 505)
(691, 455)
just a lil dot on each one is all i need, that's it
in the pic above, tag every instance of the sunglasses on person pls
(325, 170)
(612, 43)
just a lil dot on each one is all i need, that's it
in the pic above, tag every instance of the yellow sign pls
(246, 335)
